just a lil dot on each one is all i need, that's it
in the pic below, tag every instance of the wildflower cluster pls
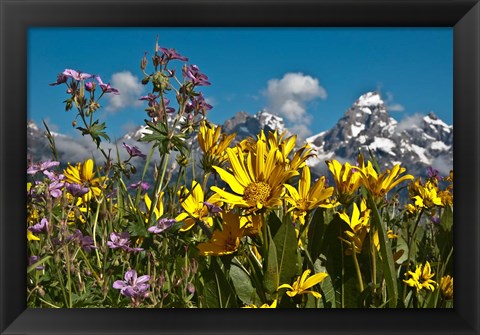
(256, 227)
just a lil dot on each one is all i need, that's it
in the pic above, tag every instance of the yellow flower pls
(83, 174)
(194, 206)
(359, 225)
(32, 237)
(425, 196)
(225, 241)
(347, 180)
(273, 305)
(213, 144)
(252, 224)
(306, 198)
(421, 278)
(446, 287)
(256, 178)
(380, 184)
(302, 284)
(284, 147)
(158, 210)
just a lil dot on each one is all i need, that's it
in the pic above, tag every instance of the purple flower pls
(86, 242)
(134, 151)
(121, 241)
(37, 167)
(193, 73)
(77, 75)
(61, 78)
(143, 184)
(212, 208)
(55, 189)
(39, 227)
(432, 173)
(56, 185)
(151, 98)
(435, 220)
(89, 86)
(162, 225)
(133, 287)
(32, 260)
(171, 54)
(76, 190)
(106, 88)
(152, 101)
(200, 104)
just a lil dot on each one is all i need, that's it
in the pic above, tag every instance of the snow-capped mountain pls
(416, 142)
(244, 124)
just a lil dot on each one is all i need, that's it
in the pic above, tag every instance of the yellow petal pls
(314, 280)
(230, 180)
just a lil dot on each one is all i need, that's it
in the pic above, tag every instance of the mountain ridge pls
(417, 142)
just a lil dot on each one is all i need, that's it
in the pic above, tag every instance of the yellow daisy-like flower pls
(308, 198)
(425, 196)
(213, 144)
(84, 174)
(421, 278)
(256, 178)
(78, 211)
(380, 184)
(195, 207)
(359, 225)
(302, 284)
(225, 241)
(347, 180)
(272, 305)
(446, 287)
(31, 236)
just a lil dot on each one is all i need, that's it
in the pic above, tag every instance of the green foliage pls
(255, 232)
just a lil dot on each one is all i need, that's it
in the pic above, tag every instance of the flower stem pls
(158, 187)
(357, 267)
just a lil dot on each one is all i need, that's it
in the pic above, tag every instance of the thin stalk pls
(158, 186)
(95, 232)
(357, 267)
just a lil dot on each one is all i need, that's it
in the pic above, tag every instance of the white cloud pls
(302, 130)
(396, 108)
(289, 96)
(409, 122)
(130, 89)
(392, 106)
(441, 164)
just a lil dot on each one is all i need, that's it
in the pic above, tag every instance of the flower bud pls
(143, 63)
(74, 123)
(90, 86)
(145, 80)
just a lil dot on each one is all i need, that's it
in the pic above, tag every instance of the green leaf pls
(316, 230)
(327, 290)
(271, 276)
(243, 285)
(446, 221)
(386, 253)
(285, 241)
(217, 292)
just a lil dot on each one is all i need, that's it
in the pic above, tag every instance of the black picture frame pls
(17, 16)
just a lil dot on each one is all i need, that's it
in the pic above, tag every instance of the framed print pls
(157, 202)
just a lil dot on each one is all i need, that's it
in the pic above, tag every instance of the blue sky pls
(308, 75)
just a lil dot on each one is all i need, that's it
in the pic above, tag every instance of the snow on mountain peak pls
(369, 99)
(270, 120)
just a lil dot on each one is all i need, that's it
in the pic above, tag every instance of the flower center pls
(257, 192)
